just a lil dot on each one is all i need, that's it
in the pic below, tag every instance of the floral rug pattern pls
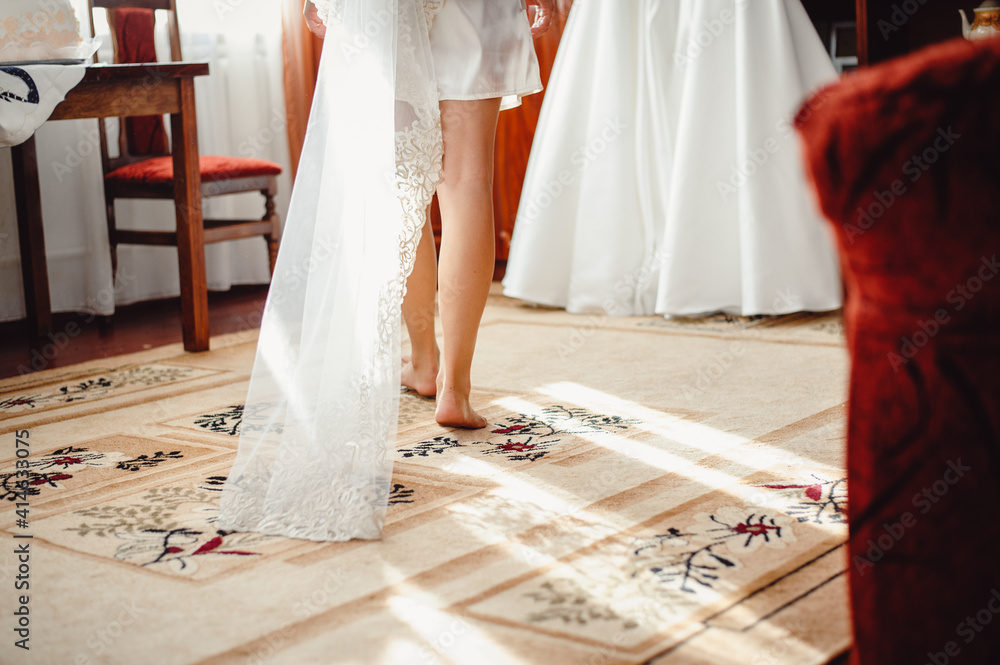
(97, 387)
(632, 589)
(523, 437)
(58, 469)
(169, 529)
(598, 518)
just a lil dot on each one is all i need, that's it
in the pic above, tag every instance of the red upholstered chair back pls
(906, 160)
(133, 24)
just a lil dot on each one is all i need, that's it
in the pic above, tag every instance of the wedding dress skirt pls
(318, 430)
(665, 176)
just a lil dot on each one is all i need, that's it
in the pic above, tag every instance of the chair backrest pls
(132, 24)
(168, 6)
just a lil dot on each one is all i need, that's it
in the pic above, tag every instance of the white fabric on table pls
(29, 94)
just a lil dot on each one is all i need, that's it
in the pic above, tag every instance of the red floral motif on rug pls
(52, 471)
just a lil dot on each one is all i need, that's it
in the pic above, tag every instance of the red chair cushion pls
(214, 168)
(905, 162)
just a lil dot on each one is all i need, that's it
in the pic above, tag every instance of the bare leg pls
(467, 249)
(420, 369)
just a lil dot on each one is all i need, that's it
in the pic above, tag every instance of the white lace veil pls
(319, 426)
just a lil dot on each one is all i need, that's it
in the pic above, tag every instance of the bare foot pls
(421, 379)
(454, 410)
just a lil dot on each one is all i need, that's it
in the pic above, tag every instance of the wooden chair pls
(144, 169)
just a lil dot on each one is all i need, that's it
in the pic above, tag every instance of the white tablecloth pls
(29, 94)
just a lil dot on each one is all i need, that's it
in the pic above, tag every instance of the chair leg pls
(270, 214)
(112, 239)
(105, 321)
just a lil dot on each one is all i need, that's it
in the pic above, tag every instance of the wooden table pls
(120, 91)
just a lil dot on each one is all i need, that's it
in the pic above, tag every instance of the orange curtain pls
(301, 50)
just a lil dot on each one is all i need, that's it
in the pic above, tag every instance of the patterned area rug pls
(647, 491)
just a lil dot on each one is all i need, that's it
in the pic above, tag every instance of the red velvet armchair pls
(905, 158)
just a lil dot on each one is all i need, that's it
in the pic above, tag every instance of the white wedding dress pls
(665, 176)
(319, 424)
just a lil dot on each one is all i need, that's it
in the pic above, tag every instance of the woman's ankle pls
(461, 387)
(426, 361)
(420, 374)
